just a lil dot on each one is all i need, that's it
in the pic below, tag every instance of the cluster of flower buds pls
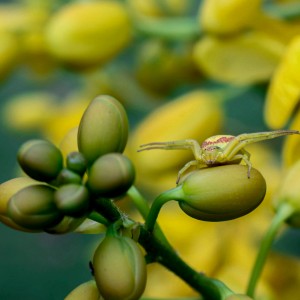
(59, 193)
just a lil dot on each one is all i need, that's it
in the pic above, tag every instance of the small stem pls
(157, 205)
(139, 201)
(282, 214)
(143, 207)
(95, 216)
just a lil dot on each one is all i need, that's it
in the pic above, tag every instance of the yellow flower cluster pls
(167, 56)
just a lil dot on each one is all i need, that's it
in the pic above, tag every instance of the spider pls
(218, 149)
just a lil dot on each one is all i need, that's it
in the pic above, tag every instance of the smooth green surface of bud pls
(289, 193)
(111, 175)
(85, 291)
(7, 190)
(220, 193)
(67, 224)
(76, 162)
(119, 269)
(72, 199)
(40, 159)
(103, 128)
(33, 207)
(66, 176)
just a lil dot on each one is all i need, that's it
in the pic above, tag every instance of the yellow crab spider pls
(218, 149)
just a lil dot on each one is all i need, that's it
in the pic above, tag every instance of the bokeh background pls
(182, 69)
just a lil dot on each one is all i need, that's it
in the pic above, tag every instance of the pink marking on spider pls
(211, 142)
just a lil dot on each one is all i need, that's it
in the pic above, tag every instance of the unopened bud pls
(111, 175)
(119, 269)
(33, 207)
(72, 199)
(40, 159)
(103, 128)
(220, 193)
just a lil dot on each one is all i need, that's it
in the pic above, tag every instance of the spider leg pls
(175, 145)
(240, 141)
(245, 156)
(185, 167)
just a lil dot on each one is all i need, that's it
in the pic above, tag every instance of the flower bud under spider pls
(221, 193)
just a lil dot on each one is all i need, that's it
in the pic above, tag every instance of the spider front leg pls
(185, 167)
(240, 141)
(175, 145)
(245, 156)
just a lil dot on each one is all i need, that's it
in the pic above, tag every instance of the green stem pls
(95, 216)
(156, 207)
(209, 288)
(142, 205)
(282, 214)
(285, 11)
(139, 201)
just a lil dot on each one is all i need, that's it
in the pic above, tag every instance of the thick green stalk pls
(209, 288)
(283, 213)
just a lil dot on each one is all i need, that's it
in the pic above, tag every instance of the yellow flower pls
(247, 58)
(88, 33)
(9, 52)
(19, 115)
(195, 115)
(290, 152)
(217, 16)
(284, 90)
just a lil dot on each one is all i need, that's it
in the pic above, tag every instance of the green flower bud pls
(119, 269)
(289, 194)
(33, 207)
(111, 175)
(66, 176)
(7, 190)
(85, 291)
(67, 224)
(103, 128)
(76, 162)
(40, 159)
(220, 193)
(72, 199)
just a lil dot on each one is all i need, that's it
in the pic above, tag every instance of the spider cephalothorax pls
(218, 149)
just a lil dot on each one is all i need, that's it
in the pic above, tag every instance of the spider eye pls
(213, 148)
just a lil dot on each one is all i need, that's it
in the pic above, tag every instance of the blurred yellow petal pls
(244, 59)
(290, 151)
(227, 16)
(19, 19)
(69, 142)
(282, 30)
(283, 282)
(88, 32)
(284, 90)
(9, 53)
(195, 115)
(29, 111)
(68, 116)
